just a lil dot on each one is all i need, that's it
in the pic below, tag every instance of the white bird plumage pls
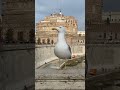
(62, 49)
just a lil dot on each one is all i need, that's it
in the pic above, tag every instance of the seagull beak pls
(55, 29)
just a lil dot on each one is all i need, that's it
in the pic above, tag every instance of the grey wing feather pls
(69, 48)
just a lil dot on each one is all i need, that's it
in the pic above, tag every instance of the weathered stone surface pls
(69, 77)
(60, 84)
(16, 67)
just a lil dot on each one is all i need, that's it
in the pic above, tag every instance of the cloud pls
(74, 8)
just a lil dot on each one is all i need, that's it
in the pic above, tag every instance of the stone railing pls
(44, 54)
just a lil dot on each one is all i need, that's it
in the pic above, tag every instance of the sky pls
(74, 8)
(111, 5)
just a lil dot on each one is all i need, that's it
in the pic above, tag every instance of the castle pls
(45, 34)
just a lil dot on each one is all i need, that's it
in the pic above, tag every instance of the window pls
(43, 41)
(115, 35)
(39, 41)
(48, 41)
(31, 35)
(104, 35)
(20, 36)
(52, 41)
(108, 20)
(93, 9)
(9, 35)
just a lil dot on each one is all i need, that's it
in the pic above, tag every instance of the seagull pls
(62, 50)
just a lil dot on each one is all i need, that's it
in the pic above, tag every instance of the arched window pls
(48, 41)
(52, 42)
(108, 21)
(104, 35)
(32, 36)
(115, 35)
(20, 36)
(39, 41)
(43, 41)
(81, 41)
(79, 35)
(9, 36)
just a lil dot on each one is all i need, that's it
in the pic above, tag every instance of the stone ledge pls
(17, 47)
(60, 84)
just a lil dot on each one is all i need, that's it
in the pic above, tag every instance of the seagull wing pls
(69, 49)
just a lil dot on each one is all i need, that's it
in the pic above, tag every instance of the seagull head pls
(60, 29)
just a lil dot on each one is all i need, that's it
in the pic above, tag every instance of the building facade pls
(18, 21)
(93, 11)
(102, 39)
(112, 17)
(0, 29)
